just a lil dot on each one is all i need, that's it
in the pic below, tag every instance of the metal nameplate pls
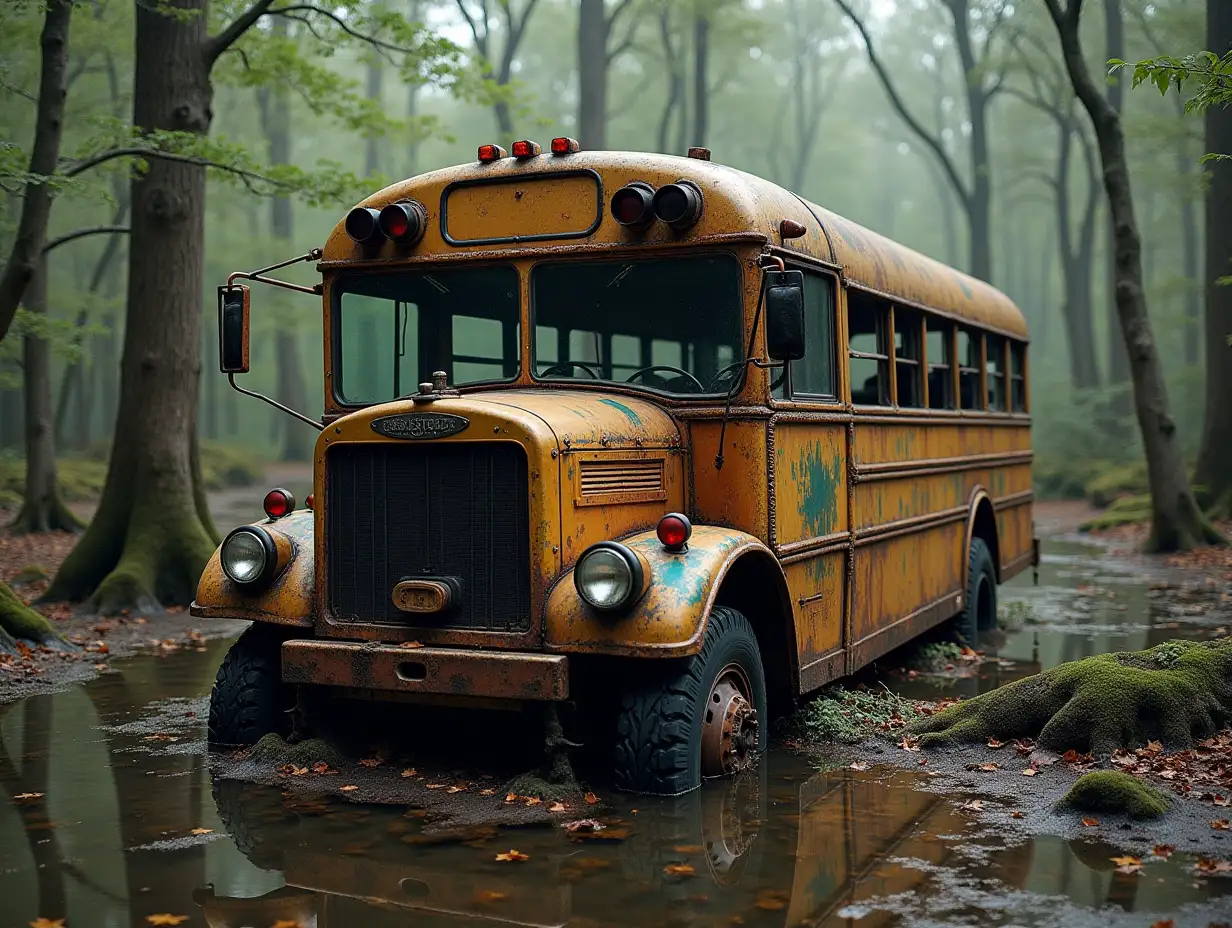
(417, 425)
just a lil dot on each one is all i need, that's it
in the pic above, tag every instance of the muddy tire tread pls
(249, 699)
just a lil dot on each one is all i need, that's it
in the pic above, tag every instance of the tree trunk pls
(148, 542)
(42, 509)
(1176, 521)
(1190, 260)
(701, 77)
(44, 161)
(1114, 47)
(592, 75)
(12, 427)
(1215, 456)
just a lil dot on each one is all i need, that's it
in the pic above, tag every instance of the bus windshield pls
(672, 325)
(392, 331)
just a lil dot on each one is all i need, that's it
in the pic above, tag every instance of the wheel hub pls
(729, 730)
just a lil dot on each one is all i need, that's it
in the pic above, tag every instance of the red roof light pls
(491, 153)
(525, 148)
(565, 146)
(674, 530)
(278, 503)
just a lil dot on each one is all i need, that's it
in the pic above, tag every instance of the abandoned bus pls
(612, 423)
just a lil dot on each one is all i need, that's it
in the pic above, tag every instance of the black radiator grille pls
(450, 510)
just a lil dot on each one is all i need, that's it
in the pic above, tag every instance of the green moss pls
(19, 621)
(1112, 791)
(227, 466)
(271, 749)
(1116, 481)
(535, 784)
(31, 573)
(1175, 693)
(852, 716)
(80, 480)
(935, 656)
(1127, 510)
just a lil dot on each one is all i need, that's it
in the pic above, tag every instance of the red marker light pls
(565, 146)
(278, 503)
(309, 500)
(526, 149)
(674, 530)
(491, 153)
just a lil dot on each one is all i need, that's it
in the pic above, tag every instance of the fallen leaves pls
(859, 765)
(322, 768)
(165, 918)
(772, 900)
(411, 644)
(986, 768)
(349, 788)
(488, 896)
(408, 773)
(994, 743)
(681, 870)
(512, 856)
(558, 807)
(583, 826)
(591, 799)
(975, 805)
(1163, 851)
(202, 831)
(1089, 822)
(371, 762)
(1211, 867)
(1030, 771)
(1017, 814)
(909, 743)
(1221, 824)
(41, 922)
(21, 797)
(1127, 864)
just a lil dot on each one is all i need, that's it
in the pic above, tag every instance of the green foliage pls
(852, 716)
(1211, 74)
(1176, 693)
(1124, 510)
(935, 656)
(1115, 792)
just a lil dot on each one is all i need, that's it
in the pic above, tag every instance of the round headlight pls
(247, 555)
(608, 576)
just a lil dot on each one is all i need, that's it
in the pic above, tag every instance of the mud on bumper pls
(438, 671)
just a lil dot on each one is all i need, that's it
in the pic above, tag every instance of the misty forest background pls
(779, 88)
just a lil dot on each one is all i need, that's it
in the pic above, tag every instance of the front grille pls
(459, 511)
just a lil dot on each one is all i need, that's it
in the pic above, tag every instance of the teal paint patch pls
(630, 414)
(818, 481)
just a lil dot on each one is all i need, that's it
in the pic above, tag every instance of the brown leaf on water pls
(165, 918)
(558, 807)
(348, 789)
(1089, 822)
(1130, 868)
(488, 896)
(1209, 865)
(202, 831)
(487, 792)
(591, 798)
(533, 801)
(1221, 824)
(583, 825)
(772, 900)
(1164, 923)
(408, 773)
(679, 870)
(322, 767)
(512, 856)
(22, 796)
(1126, 861)
(298, 771)
(287, 923)
(1163, 851)
(41, 922)
(455, 789)
(688, 849)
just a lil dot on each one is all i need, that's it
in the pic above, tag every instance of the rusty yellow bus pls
(602, 421)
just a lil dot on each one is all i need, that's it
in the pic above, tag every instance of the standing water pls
(114, 820)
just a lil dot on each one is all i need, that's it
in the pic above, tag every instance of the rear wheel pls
(980, 602)
(249, 699)
(700, 717)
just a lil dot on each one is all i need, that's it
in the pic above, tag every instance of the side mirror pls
(785, 315)
(233, 330)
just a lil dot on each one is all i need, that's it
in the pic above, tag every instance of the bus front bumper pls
(434, 671)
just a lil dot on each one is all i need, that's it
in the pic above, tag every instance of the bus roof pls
(737, 205)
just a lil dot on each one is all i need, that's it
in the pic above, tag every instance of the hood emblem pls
(414, 426)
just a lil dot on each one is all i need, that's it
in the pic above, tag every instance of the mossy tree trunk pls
(42, 509)
(18, 622)
(150, 538)
(1176, 521)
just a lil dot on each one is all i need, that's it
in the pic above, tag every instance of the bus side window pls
(908, 327)
(994, 368)
(940, 353)
(813, 375)
(969, 369)
(868, 349)
(1018, 378)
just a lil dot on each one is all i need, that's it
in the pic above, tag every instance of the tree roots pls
(1176, 693)
(18, 622)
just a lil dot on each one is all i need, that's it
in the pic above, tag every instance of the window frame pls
(1018, 349)
(975, 336)
(885, 340)
(917, 364)
(789, 385)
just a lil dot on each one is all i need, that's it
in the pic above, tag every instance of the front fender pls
(288, 600)
(670, 619)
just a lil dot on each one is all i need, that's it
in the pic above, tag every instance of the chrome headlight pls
(608, 576)
(248, 555)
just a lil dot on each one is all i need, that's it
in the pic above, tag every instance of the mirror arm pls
(277, 405)
(259, 274)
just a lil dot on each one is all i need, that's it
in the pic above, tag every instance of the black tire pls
(980, 599)
(256, 824)
(659, 727)
(249, 699)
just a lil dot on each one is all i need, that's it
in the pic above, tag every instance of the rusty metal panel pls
(810, 480)
(288, 600)
(564, 206)
(584, 522)
(715, 496)
(670, 618)
(592, 420)
(448, 671)
(816, 586)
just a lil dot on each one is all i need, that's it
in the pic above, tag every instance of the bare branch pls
(82, 233)
(934, 143)
(341, 24)
(247, 177)
(216, 45)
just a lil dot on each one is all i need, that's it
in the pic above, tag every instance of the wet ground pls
(113, 818)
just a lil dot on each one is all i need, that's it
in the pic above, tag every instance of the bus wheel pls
(700, 717)
(980, 605)
(249, 699)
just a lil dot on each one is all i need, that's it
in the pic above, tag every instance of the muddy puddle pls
(111, 816)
